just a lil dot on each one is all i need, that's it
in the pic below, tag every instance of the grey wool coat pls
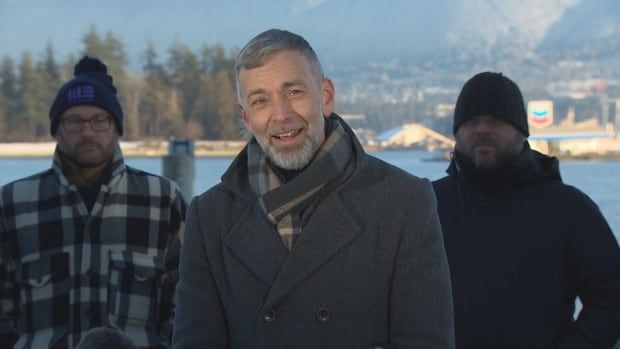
(369, 269)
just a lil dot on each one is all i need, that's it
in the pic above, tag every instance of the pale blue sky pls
(333, 25)
(339, 30)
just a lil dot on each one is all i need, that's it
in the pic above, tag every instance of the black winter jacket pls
(520, 252)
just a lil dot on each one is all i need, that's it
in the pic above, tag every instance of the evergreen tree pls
(109, 50)
(213, 59)
(221, 119)
(49, 65)
(115, 56)
(3, 122)
(93, 45)
(133, 94)
(150, 66)
(217, 108)
(67, 67)
(31, 108)
(159, 109)
(8, 94)
(185, 77)
(8, 79)
(49, 71)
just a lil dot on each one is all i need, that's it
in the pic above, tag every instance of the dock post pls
(178, 165)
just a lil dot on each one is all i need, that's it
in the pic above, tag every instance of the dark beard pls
(484, 176)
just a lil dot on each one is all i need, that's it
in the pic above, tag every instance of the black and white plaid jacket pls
(64, 270)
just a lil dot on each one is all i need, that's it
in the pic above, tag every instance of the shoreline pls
(129, 148)
(223, 149)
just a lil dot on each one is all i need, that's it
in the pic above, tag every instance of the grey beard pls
(295, 160)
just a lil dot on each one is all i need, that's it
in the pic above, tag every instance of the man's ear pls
(328, 93)
(244, 115)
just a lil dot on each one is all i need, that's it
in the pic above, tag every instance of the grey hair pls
(257, 50)
(105, 338)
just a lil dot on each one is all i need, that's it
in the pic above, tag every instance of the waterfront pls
(598, 179)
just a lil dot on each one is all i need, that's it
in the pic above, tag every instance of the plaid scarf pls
(289, 205)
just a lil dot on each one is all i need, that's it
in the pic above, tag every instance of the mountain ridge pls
(342, 31)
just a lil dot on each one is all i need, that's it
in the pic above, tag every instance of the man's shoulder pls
(142, 182)
(562, 193)
(443, 182)
(221, 203)
(134, 171)
(380, 179)
(29, 182)
(139, 173)
(218, 193)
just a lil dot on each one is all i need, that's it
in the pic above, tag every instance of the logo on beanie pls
(540, 113)
(82, 93)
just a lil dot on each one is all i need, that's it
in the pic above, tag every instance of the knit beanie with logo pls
(91, 86)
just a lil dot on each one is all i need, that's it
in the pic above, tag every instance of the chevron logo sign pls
(540, 113)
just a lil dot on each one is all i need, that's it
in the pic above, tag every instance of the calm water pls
(598, 179)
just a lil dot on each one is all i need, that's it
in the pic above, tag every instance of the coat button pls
(322, 314)
(269, 315)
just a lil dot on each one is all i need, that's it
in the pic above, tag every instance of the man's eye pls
(73, 121)
(258, 101)
(100, 119)
(295, 92)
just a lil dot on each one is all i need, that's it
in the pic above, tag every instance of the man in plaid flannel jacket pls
(90, 242)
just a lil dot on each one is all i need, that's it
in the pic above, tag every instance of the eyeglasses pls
(75, 123)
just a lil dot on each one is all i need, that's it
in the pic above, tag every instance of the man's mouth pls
(485, 143)
(286, 135)
(88, 145)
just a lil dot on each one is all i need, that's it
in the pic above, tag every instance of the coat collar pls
(117, 170)
(235, 178)
(256, 243)
(528, 167)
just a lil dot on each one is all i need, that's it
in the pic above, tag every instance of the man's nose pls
(281, 109)
(87, 128)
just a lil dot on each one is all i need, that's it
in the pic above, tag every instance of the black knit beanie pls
(491, 94)
(91, 86)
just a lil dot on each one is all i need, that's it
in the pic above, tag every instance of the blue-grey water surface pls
(598, 179)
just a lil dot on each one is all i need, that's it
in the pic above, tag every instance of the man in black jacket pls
(521, 245)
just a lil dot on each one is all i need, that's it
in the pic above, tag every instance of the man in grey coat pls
(308, 242)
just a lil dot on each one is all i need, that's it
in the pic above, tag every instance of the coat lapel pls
(330, 229)
(255, 241)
